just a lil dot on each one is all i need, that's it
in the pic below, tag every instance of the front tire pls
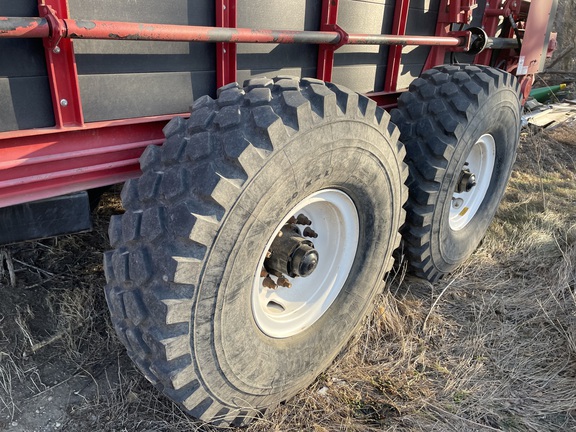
(461, 126)
(192, 287)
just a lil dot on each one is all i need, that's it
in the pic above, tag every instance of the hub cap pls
(285, 304)
(473, 182)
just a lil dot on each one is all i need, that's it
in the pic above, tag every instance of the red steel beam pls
(226, 60)
(61, 66)
(329, 20)
(41, 163)
(395, 51)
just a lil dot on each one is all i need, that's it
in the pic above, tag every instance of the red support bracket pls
(226, 60)
(326, 51)
(395, 51)
(61, 65)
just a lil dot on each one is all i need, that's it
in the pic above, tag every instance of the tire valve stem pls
(309, 232)
(284, 282)
(303, 220)
(269, 283)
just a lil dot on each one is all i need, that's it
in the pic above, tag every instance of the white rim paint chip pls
(285, 312)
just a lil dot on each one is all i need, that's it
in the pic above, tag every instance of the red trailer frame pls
(74, 155)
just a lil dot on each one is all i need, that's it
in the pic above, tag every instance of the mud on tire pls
(187, 252)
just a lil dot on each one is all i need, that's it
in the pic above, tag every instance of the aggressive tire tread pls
(432, 117)
(174, 211)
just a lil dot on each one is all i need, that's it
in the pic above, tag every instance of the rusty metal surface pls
(90, 29)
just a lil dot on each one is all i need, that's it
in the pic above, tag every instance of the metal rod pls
(88, 29)
(502, 43)
(364, 39)
(24, 27)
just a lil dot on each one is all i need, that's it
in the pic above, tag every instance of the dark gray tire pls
(198, 219)
(441, 118)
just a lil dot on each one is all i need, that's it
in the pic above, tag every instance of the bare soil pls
(491, 347)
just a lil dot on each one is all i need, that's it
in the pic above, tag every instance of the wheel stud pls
(283, 282)
(268, 283)
(303, 220)
(309, 232)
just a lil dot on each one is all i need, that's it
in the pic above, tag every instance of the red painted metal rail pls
(90, 29)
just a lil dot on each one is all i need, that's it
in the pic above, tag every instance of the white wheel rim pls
(285, 312)
(480, 160)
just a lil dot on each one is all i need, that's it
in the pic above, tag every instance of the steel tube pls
(83, 29)
(23, 27)
(502, 43)
(89, 29)
(365, 39)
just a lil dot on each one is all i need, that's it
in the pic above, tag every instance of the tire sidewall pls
(231, 349)
(499, 117)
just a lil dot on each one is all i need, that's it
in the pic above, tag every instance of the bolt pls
(283, 282)
(309, 232)
(457, 202)
(56, 50)
(268, 283)
(303, 220)
(280, 233)
(64, 102)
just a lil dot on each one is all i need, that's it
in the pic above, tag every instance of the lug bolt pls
(283, 282)
(268, 283)
(309, 232)
(303, 220)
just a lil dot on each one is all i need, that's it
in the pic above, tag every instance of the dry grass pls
(492, 347)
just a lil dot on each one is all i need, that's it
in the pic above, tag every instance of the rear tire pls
(455, 118)
(185, 288)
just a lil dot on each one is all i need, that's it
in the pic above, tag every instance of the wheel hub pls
(292, 286)
(291, 254)
(473, 182)
(466, 181)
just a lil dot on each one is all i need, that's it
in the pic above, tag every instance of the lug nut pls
(268, 283)
(309, 232)
(303, 220)
(283, 282)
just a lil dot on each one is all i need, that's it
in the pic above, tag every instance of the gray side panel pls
(272, 59)
(26, 103)
(124, 79)
(24, 87)
(421, 21)
(107, 97)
